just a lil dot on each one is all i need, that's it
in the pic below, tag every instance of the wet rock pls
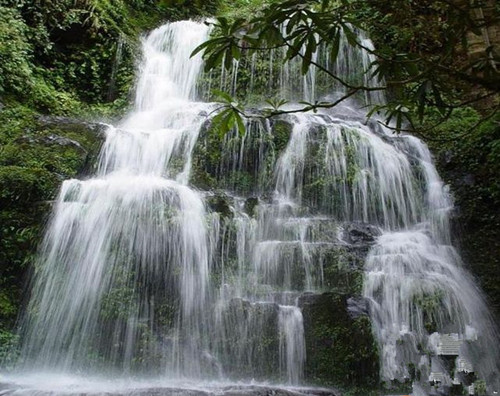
(250, 205)
(220, 203)
(281, 131)
(466, 378)
(357, 306)
(69, 123)
(360, 233)
(215, 155)
(446, 158)
(342, 268)
(239, 305)
(275, 391)
(69, 133)
(340, 350)
(251, 340)
(468, 180)
(49, 140)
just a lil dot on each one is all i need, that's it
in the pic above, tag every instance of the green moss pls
(341, 351)
(206, 158)
(342, 271)
(480, 387)
(14, 122)
(22, 192)
(430, 305)
(281, 134)
(8, 348)
(24, 186)
(118, 303)
(60, 160)
(257, 354)
(250, 206)
(469, 161)
(221, 204)
(214, 157)
(36, 155)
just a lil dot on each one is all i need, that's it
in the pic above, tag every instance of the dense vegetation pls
(76, 59)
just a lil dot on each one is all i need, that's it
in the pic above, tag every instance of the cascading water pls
(132, 241)
(147, 268)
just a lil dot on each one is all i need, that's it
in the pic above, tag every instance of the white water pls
(137, 277)
(292, 348)
(103, 272)
(412, 272)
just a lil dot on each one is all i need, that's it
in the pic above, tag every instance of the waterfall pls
(131, 241)
(419, 291)
(291, 342)
(195, 257)
(284, 79)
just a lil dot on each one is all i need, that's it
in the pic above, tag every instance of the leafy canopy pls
(421, 52)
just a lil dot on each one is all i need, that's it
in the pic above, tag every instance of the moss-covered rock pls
(281, 130)
(36, 155)
(221, 204)
(342, 269)
(340, 349)
(206, 158)
(251, 340)
(241, 164)
(250, 206)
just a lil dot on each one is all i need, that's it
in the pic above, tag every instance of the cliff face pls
(490, 35)
(470, 165)
(469, 162)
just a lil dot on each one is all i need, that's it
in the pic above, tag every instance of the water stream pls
(139, 276)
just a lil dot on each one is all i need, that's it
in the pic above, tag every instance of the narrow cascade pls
(292, 343)
(258, 257)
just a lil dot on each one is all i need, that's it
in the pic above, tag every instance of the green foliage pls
(59, 53)
(480, 388)
(47, 99)
(229, 116)
(35, 157)
(21, 186)
(15, 52)
(118, 303)
(281, 134)
(8, 343)
(186, 9)
(241, 8)
(430, 304)
(469, 161)
(14, 121)
(421, 66)
(341, 351)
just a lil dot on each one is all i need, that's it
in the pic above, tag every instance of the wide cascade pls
(190, 255)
